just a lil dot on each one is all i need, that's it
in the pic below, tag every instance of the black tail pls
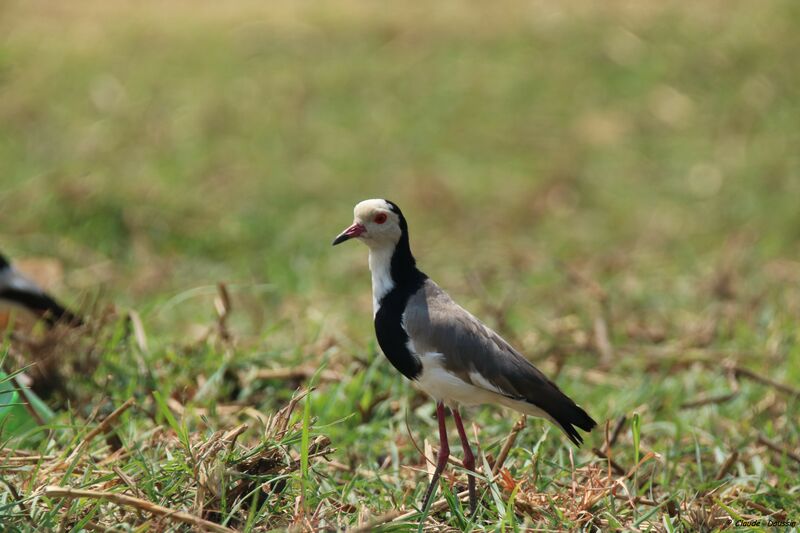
(562, 410)
(572, 416)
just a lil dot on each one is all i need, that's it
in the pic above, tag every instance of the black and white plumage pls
(441, 347)
(16, 290)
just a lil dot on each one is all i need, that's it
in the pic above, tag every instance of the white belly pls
(443, 386)
(446, 387)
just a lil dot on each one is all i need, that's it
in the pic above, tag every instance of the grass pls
(613, 188)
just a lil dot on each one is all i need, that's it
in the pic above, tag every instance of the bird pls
(442, 348)
(16, 290)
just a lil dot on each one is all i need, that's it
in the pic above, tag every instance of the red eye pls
(380, 218)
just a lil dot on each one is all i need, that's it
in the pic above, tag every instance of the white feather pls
(478, 379)
(380, 265)
(445, 386)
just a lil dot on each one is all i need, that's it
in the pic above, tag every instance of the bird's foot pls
(473, 498)
(429, 493)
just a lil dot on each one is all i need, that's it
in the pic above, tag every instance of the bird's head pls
(378, 223)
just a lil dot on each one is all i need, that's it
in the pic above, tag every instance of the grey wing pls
(479, 356)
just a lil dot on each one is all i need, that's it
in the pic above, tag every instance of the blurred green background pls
(648, 148)
(230, 142)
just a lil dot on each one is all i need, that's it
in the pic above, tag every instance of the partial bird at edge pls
(18, 290)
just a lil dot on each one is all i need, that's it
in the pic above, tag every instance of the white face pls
(375, 224)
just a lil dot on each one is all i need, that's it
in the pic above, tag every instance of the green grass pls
(563, 169)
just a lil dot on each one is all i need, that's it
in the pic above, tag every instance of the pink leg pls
(444, 454)
(469, 459)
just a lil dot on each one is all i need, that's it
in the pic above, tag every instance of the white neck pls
(380, 264)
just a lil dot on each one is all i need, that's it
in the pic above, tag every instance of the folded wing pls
(479, 356)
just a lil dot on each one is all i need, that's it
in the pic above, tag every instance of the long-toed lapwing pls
(441, 347)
